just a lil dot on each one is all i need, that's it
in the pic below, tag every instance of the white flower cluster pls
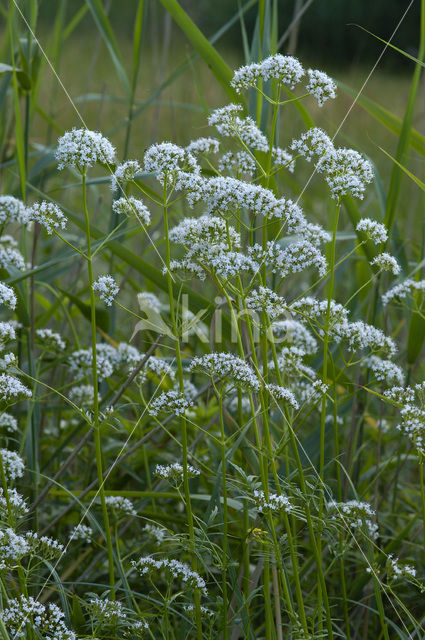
(321, 86)
(12, 210)
(48, 215)
(357, 514)
(174, 471)
(106, 610)
(282, 158)
(170, 401)
(229, 123)
(123, 173)
(264, 299)
(16, 503)
(294, 332)
(385, 370)
(166, 160)
(11, 256)
(346, 171)
(374, 231)
(358, 335)
(203, 146)
(82, 532)
(273, 502)
(282, 393)
(402, 290)
(132, 206)
(397, 570)
(173, 570)
(207, 229)
(47, 622)
(294, 258)
(82, 148)
(7, 331)
(12, 463)
(12, 548)
(157, 533)
(7, 296)
(412, 412)
(226, 365)
(121, 505)
(8, 422)
(50, 339)
(82, 395)
(239, 162)
(107, 289)
(386, 262)
(286, 69)
(47, 548)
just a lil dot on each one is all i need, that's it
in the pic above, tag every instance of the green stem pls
(96, 426)
(183, 421)
(225, 517)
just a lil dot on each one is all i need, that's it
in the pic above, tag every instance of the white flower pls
(357, 514)
(12, 548)
(12, 210)
(121, 505)
(283, 158)
(7, 296)
(282, 393)
(107, 289)
(124, 172)
(385, 370)
(228, 123)
(44, 546)
(398, 570)
(400, 291)
(240, 162)
(321, 86)
(132, 206)
(81, 532)
(287, 69)
(296, 257)
(12, 463)
(373, 230)
(246, 77)
(173, 569)
(226, 365)
(7, 331)
(82, 148)
(347, 172)
(45, 621)
(166, 160)
(12, 389)
(157, 533)
(11, 256)
(16, 502)
(313, 143)
(50, 339)
(295, 333)
(8, 422)
(48, 215)
(82, 396)
(170, 401)
(106, 610)
(264, 299)
(174, 471)
(274, 502)
(203, 146)
(387, 262)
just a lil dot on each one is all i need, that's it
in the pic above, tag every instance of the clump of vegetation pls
(224, 439)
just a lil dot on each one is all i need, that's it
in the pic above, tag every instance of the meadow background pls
(140, 73)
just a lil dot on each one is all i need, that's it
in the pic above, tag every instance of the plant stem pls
(96, 426)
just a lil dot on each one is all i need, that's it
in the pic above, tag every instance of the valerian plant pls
(229, 498)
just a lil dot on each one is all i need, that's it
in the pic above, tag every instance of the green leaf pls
(416, 180)
(102, 316)
(218, 66)
(104, 26)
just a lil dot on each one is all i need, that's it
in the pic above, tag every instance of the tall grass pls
(212, 408)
